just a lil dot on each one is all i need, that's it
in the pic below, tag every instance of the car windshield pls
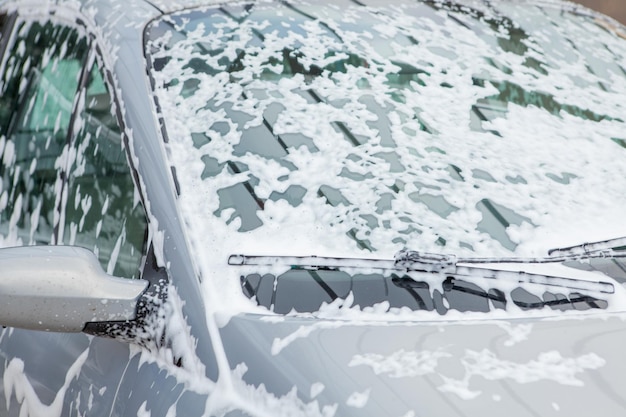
(364, 128)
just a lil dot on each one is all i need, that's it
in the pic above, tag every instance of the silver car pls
(293, 208)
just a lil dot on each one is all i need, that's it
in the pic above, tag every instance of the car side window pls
(37, 89)
(103, 210)
(65, 175)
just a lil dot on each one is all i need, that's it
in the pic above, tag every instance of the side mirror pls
(61, 288)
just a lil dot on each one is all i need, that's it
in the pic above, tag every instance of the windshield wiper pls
(436, 262)
(445, 264)
(606, 248)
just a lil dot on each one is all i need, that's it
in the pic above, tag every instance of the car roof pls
(120, 15)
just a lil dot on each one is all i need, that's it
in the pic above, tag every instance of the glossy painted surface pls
(520, 368)
(61, 288)
(287, 365)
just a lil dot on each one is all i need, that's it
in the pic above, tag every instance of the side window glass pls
(103, 211)
(58, 183)
(37, 90)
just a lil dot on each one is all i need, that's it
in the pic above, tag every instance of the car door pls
(66, 179)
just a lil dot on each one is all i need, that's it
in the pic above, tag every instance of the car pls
(295, 208)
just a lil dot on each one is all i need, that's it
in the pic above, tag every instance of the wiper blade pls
(415, 261)
(435, 263)
(532, 278)
(310, 262)
(606, 248)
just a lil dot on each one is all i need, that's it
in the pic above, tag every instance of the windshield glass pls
(328, 289)
(360, 129)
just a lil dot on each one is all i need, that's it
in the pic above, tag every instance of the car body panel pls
(272, 365)
(520, 367)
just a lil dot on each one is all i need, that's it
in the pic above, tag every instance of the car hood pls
(525, 367)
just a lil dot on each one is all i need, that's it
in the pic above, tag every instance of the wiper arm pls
(428, 262)
(604, 247)
(575, 253)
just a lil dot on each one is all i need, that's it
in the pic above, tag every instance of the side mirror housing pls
(61, 288)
